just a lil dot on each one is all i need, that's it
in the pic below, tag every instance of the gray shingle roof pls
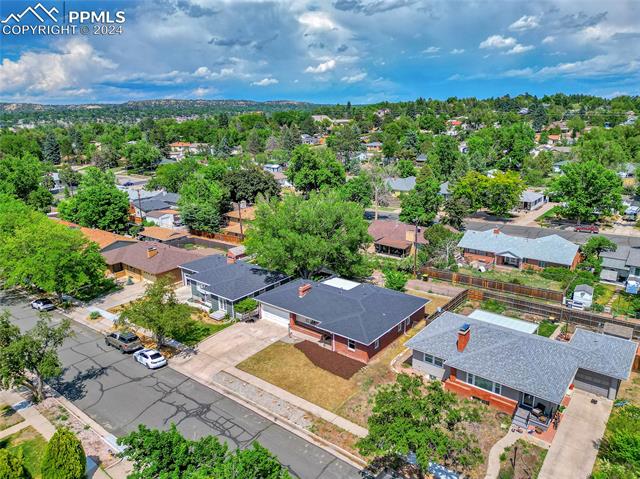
(584, 288)
(529, 196)
(525, 362)
(551, 249)
(233, 281)
(363, 313)
(402, 184)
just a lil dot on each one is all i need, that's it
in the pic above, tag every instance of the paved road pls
(120, 394)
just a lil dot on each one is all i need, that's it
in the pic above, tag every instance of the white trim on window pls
(376, 344)
(351, 345)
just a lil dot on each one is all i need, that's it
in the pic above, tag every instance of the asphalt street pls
(119, 393)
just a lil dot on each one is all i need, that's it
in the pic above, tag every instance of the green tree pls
(406, 168)
(142, 156)
(312, 169)
(51, 149)
(455, 211)
(444, 156)
(421, 204)
(576, 125)
(167, 454)
(69, 177)
(255, 144)
(64, 457)
(28, 359)
(588, 190)
(346, 143)
(98, 203)
(22, 177)
(358, 189)
(472, 188)
(503, 192)
(52, 257)
(160, 312)
(538, 117)
(12, 465)
(409, 417)
(301, 237)
(290, 138)
(441, 246)
(394, 279)
(202, 203)
(172, 176)
(246, 184)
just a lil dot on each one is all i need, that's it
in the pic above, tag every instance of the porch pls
(395, 248)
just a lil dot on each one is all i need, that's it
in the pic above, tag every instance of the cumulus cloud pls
(356, 77)
(525, 22)
(265, 82)
(498, 41)
(371, 7)
(75, 63)
(457, 51)
(431, 49)
(520, 49)
(548, 39)
(317, 21)
(322, 67)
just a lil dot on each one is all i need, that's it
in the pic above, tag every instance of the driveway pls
(119, 394)
(575, 446)
(228, 348)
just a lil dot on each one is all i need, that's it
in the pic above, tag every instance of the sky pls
(330, 51)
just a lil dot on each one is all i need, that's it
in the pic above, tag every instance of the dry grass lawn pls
(8, 417)
(437, 300)
(630, 389)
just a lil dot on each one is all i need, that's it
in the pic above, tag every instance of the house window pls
(542, 264)
(376, 344)
(400, 327)
(351, 345)
(428, 358)
(497, 388)
(437, 362)
(483, 383)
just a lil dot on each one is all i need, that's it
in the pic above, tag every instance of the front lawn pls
(32, 445)
(524, 277)
(521, 460)
(8, 417)
(546, 328)
(201, 331)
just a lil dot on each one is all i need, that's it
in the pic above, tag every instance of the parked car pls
(126, 342)
(587, 229)
(43, 304)
(150, 358)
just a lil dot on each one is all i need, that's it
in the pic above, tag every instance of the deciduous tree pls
(246, 184)
(421, 204)
(312, 169)
(202, 203)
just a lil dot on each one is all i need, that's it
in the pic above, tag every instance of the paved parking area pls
(119, 394)
(228, 348)
(575, 446)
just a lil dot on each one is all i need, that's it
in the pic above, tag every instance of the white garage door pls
(274, 314)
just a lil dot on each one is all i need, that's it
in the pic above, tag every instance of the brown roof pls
(392, 230)
(399, 244)
(135, 255)
(103, 238)
(234, 228)
(162, 234)
(247, 214)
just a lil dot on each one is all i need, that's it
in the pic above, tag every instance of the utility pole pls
(415, 249)
(240, 219)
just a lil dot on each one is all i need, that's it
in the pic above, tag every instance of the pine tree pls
(254, 142)
(51, 149)
(223, 150)
(64, 457)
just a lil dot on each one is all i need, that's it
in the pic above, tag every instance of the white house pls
(583, 294)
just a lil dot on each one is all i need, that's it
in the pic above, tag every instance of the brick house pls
(518, 372)
(353, 319)
(492, 247)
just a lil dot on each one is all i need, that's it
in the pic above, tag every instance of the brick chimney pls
(464, 333)
(231, 259)
(496, 231)
(303, 290)
(152, 251)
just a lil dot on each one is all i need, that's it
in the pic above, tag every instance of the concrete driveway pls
(575, 446)
(228, 348)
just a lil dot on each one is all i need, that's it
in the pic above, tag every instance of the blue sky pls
(329, 51)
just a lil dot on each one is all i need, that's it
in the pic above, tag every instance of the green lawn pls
(546, 328)
(32, 445)
(526, 278)
(8, 417)
(548, 215)
(603, 293)
(623, 305)
(201, 331)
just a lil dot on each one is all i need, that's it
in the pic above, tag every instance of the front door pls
(528, 400)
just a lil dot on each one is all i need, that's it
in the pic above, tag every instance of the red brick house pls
(353, 319)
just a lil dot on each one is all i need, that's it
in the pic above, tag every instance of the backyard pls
(523, 277)
(31, 444)
(546, 328)
(8, 417)
(521, 460)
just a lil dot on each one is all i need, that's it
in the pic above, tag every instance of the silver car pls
(150, 358)
(43, 304)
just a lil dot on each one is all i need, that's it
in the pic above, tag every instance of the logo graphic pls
(34, 11)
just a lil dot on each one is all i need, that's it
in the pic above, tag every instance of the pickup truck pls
(126, 342)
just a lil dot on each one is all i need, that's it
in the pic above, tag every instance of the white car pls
(43, 304)
(150, 358)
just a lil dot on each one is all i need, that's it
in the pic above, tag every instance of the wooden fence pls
(218, 236)
(587, 319)
(478, 282)
(452, 304)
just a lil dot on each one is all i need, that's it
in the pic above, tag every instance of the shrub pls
(94, 315)
(493, 306)
(246, 305)
(394, 279)
(64, 457)
(598, 308)
(12, 465)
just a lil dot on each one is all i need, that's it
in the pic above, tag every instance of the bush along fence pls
(586, 319)
(453, 277)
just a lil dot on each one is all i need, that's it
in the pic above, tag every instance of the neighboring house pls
(496, 248)
(179, 149)
(518, 371)
(374, 146)
(421, 158)
(159, 202)
(444, 191)
(631, 213)
(353, 319)
(168, 218)
(106, 241)
(162, 235)
(219, 282)
(320, 118)
(148, 260)
(282, 180)
(583, 296)
(395, 238)
(57, 185)
(272, 168)
(557, 166)
(627, 171)
(622, 266)
(401, 185)
(309, 139)
(238, 221)
(531, 200)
